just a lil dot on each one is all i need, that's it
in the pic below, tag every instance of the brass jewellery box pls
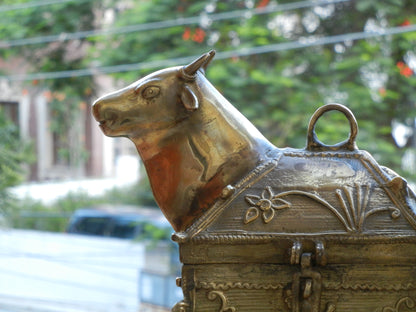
(261, 228)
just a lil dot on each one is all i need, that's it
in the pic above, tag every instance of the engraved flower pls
(264, 205)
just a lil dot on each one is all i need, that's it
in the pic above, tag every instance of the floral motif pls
(353, 210)
(264, 206)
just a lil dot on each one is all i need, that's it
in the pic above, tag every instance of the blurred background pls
(76, 233)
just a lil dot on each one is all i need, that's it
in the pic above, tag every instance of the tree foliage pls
(14, 153)
(279, 91)
(67, 98)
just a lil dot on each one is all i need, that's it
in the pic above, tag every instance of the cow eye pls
(150, 92)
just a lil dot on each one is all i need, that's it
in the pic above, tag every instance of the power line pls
(33, 4)
(167, 24)
(302, 43)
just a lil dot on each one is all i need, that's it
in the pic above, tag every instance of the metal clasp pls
(306, 287)
(307, 284)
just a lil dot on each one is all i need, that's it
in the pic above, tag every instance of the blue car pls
(126, 222)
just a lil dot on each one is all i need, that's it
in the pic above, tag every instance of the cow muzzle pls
(105, 116)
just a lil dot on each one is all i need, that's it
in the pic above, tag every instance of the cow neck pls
(188, 169)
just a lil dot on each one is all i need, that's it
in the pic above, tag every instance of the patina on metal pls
(260, 228)
(192, 141)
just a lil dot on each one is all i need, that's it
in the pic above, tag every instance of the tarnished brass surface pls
(192, 141)
(320, 229)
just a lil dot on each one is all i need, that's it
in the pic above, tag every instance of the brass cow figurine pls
(192, 141)
(320, 229)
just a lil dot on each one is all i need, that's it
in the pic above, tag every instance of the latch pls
(307, 284)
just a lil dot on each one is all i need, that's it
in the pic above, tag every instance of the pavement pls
(57, 272)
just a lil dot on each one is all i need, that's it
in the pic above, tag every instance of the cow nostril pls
(127, 120)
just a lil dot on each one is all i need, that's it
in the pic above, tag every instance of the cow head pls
(156, 102)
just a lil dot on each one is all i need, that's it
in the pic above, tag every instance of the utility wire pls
(301, 43)
(33, 4)
(166, 24)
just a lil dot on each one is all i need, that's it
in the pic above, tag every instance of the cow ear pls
(189, 99)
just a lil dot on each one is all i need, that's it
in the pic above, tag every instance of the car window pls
(125, 228)
(92, 226)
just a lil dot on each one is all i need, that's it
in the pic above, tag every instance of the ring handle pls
(314, 144)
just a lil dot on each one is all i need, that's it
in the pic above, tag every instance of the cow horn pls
(201, 62)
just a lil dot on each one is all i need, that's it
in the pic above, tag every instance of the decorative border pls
(367, 286)
(305, 153)
(239, 285)
(218, 238)
(327, 285)
(383, 179)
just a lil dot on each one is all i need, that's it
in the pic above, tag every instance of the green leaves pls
(278, 90)
(14, 153)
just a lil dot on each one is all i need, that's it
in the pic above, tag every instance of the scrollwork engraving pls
(180, 307)
(330, 307)
(212, 295)
(355, 208)
(401, 303)
(353, 211)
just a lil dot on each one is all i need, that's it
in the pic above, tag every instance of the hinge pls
(307, 284)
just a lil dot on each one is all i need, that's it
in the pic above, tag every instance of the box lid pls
(335, 195)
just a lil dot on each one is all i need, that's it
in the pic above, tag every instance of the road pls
(54, 272)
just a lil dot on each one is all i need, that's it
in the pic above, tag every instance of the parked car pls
(127, 222)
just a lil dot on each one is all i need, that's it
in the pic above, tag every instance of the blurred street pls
(45, 272)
